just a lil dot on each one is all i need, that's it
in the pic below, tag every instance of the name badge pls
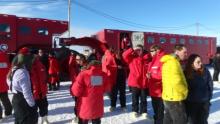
(155, 67)
(3, 65)
(96, 80)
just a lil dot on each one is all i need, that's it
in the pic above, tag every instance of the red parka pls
(155, 80)
(138, 68)
(89, 87)
(4, 68)
(73, 67)
(38, 79)
(53, 70)
(109, 66)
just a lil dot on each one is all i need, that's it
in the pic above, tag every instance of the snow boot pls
(124, 109)
(54, 87)
(146, 116)
(75, 120)
(111, 109)
(44, 120)
(134, 115)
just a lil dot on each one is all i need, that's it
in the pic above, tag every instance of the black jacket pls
(200, 87)
(216, 62)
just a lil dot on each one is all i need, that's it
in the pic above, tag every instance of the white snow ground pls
(61, 108)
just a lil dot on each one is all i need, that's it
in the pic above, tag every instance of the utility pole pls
(69, 13)
(197, 28)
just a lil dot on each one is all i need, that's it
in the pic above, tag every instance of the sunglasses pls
(152, 51)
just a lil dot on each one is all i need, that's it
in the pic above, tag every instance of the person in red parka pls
(39, 86)
(4, 68)
(155, 83)
(89, 87)
(109, 65)
(73, 66)
(53, 72)
(137, 62)
(120, 85)
(81, 65)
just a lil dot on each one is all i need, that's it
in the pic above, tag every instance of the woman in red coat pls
(109, 65)
(155, 83)
(53, 72)
(4, 68)
(137, 78)
(73, 67)
(39, 86)
(89, 87)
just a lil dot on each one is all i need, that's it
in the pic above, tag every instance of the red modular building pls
(202, 45)
(16, 32)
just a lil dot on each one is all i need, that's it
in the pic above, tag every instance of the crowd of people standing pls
(178, 91)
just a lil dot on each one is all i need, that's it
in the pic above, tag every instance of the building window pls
(199, 41)
(24, 30)
(182, 41)
(162, 40)
(150, 40)
(206, 42)
(43, 31)
(191, 41)
(173, 40)
(4, 28)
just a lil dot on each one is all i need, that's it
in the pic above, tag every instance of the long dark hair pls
(17, 62)
(189, 67)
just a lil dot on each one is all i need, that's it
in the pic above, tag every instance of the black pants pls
(137, 94)
(215, 75)
(76, 105)
(197, 112)
(42, 105)
(24, 114)
(0, 111)
(6, 103)
(174, 112)
(158, 107)
(119, 87)
(58, 85)
(94, 121)
(53, 86)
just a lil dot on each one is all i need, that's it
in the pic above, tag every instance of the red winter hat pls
(24, 50)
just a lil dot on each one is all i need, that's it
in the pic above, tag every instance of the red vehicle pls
(204, 46)
(16, 32)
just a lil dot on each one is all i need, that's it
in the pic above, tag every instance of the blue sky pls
(169, 16)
